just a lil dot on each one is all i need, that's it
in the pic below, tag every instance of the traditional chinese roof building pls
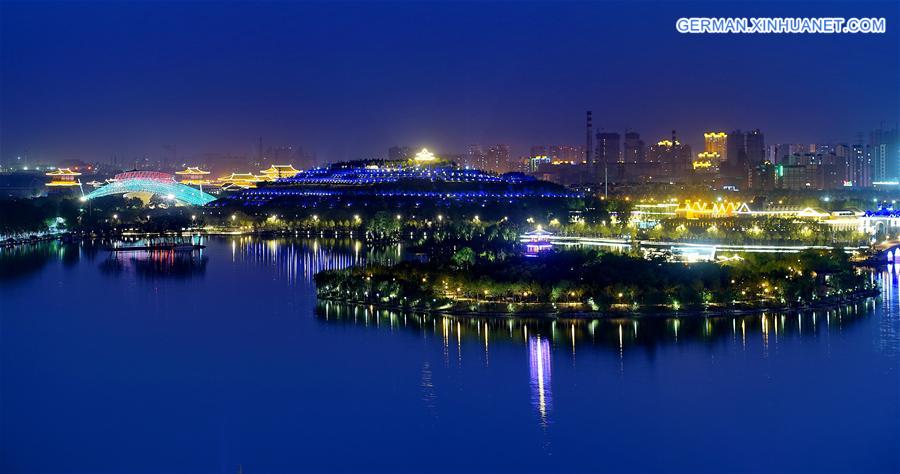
(240, 181)
(193, 175)
(275, 172)
(64, 177)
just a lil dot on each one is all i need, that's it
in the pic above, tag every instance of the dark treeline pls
(106, 215)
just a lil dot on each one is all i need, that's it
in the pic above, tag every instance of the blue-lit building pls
(417, 182)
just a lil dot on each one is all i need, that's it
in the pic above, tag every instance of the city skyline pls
(205, 83)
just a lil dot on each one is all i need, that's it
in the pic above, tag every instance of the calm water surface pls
(207, 363)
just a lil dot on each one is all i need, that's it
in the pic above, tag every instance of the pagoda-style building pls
(240, 181)
(193, 175)
(424, 157)
(275, 172)
(64, 177)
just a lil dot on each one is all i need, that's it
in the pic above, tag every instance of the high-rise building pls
(716, 142)
(708, 162)
(884, 147)
(799, 177)
(606, 150)
(673, 157)
(566, 153)
(633, 148)
(762, 177)
(755, 147)
(537, 156)
(589, 145)
(860, 166)
(498, 159)
(476, 158)
(736, 150)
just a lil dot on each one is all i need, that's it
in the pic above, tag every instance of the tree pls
(463, 258)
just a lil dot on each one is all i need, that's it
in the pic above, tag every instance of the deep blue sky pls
(90, 80)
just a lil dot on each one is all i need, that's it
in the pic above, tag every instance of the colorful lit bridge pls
(152, 182)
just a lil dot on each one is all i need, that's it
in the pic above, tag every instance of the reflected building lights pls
(540, 377)
(603, 332)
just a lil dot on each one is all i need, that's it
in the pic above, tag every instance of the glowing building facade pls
(152, 182)
(276, 172)
(64, 177)
(426, 178)
(236, 181)
(193, 176)
(716, 142)
(707, 161)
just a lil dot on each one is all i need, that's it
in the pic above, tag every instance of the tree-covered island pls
(594, 281)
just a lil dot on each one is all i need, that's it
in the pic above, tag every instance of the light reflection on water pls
(541, 377)
(545, 340)
(560, 371)
(300, 260)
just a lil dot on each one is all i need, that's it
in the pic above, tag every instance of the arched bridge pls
(153, 182)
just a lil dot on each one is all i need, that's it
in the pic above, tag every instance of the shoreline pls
(855, 298)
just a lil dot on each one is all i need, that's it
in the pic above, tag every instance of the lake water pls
(163, 363)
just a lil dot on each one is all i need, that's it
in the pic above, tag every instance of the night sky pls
(348, 80)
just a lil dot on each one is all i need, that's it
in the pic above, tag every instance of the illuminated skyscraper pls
(716, 142)
(860, 166)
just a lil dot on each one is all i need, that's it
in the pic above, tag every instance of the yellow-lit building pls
(424, 157)
(707, 161)
(240, 181)
(64, 177)
(716, 142)
(697, 209)
(194, 176)
(275, 172)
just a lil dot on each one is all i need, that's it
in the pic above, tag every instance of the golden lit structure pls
(707, 161)
(275, 172)
(716, 142)
(193, 175)
(698, 209)
(64, 177)
(424, 156)
(642, 211)
(668, 143)
(240, 181)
